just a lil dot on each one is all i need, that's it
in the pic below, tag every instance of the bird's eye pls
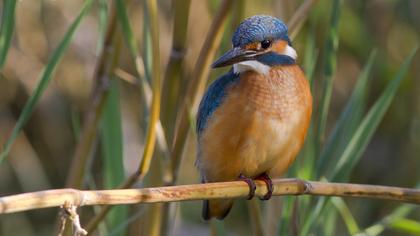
(265, 44)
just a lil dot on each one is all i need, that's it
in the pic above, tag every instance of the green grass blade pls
(346, 215)
(103, 19)
(379, 227)
(347, 122)
(287, 214)
(318, 130)
(310, 56)
(6, 28)
(45, 79)
(121, 227)
(360, 139)
(313, 216)
(407, 226)
(329, 221)
(175, 78)
(147, 46)
(112, 146)
(307, 156)
(357, 144)
(126, 27)
(330, 64)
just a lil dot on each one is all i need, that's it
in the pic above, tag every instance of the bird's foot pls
(264, 177)
(251, 185)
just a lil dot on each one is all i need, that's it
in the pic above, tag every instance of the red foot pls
(251, 185)
(264, 177)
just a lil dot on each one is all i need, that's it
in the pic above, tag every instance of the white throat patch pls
(251, 65)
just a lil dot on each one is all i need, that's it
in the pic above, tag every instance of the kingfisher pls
(252, 121)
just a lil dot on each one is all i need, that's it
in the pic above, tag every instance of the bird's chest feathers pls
(278, 95)
(261, 114)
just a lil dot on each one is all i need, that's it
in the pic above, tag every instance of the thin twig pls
(69, 212)
(234, 189)
(300, 16)
(147, 91)
(256, 220)
(95, 107)
(156, 85)
(174, 79)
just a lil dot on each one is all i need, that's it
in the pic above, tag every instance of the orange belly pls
(259, 127)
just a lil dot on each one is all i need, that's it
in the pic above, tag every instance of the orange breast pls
(260, 126)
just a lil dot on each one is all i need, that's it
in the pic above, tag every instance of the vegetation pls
(103, 94)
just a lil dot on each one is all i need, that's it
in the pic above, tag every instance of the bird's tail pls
(218, 208)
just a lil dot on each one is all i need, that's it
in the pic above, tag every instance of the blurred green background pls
(42, 153)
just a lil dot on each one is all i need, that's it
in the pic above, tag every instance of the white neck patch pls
(251, 65)
(258, 66)
(289, 51)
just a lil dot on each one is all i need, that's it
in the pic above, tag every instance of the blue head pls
(260, 38)
(259, 28)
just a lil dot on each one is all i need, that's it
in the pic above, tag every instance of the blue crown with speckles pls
(258, 28)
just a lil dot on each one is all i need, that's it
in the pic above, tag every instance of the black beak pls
(234, 56)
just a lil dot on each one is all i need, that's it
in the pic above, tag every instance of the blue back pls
(213, 98)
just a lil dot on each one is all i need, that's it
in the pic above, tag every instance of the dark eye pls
(265, 44)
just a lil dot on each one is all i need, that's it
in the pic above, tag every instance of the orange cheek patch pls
(252, 46)
(279, 46)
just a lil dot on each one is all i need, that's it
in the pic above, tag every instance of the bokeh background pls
(41, 156)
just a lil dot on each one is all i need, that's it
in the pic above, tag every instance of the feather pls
(213, 98)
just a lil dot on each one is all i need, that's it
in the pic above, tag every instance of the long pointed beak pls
(234, 56)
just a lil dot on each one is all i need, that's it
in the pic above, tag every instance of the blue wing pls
(213, 98)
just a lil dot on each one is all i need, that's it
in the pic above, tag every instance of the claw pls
(251, 185)
(264, 177)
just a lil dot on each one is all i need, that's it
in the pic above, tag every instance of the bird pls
(252, 121)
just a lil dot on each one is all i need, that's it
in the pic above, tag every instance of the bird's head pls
(259, 42)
